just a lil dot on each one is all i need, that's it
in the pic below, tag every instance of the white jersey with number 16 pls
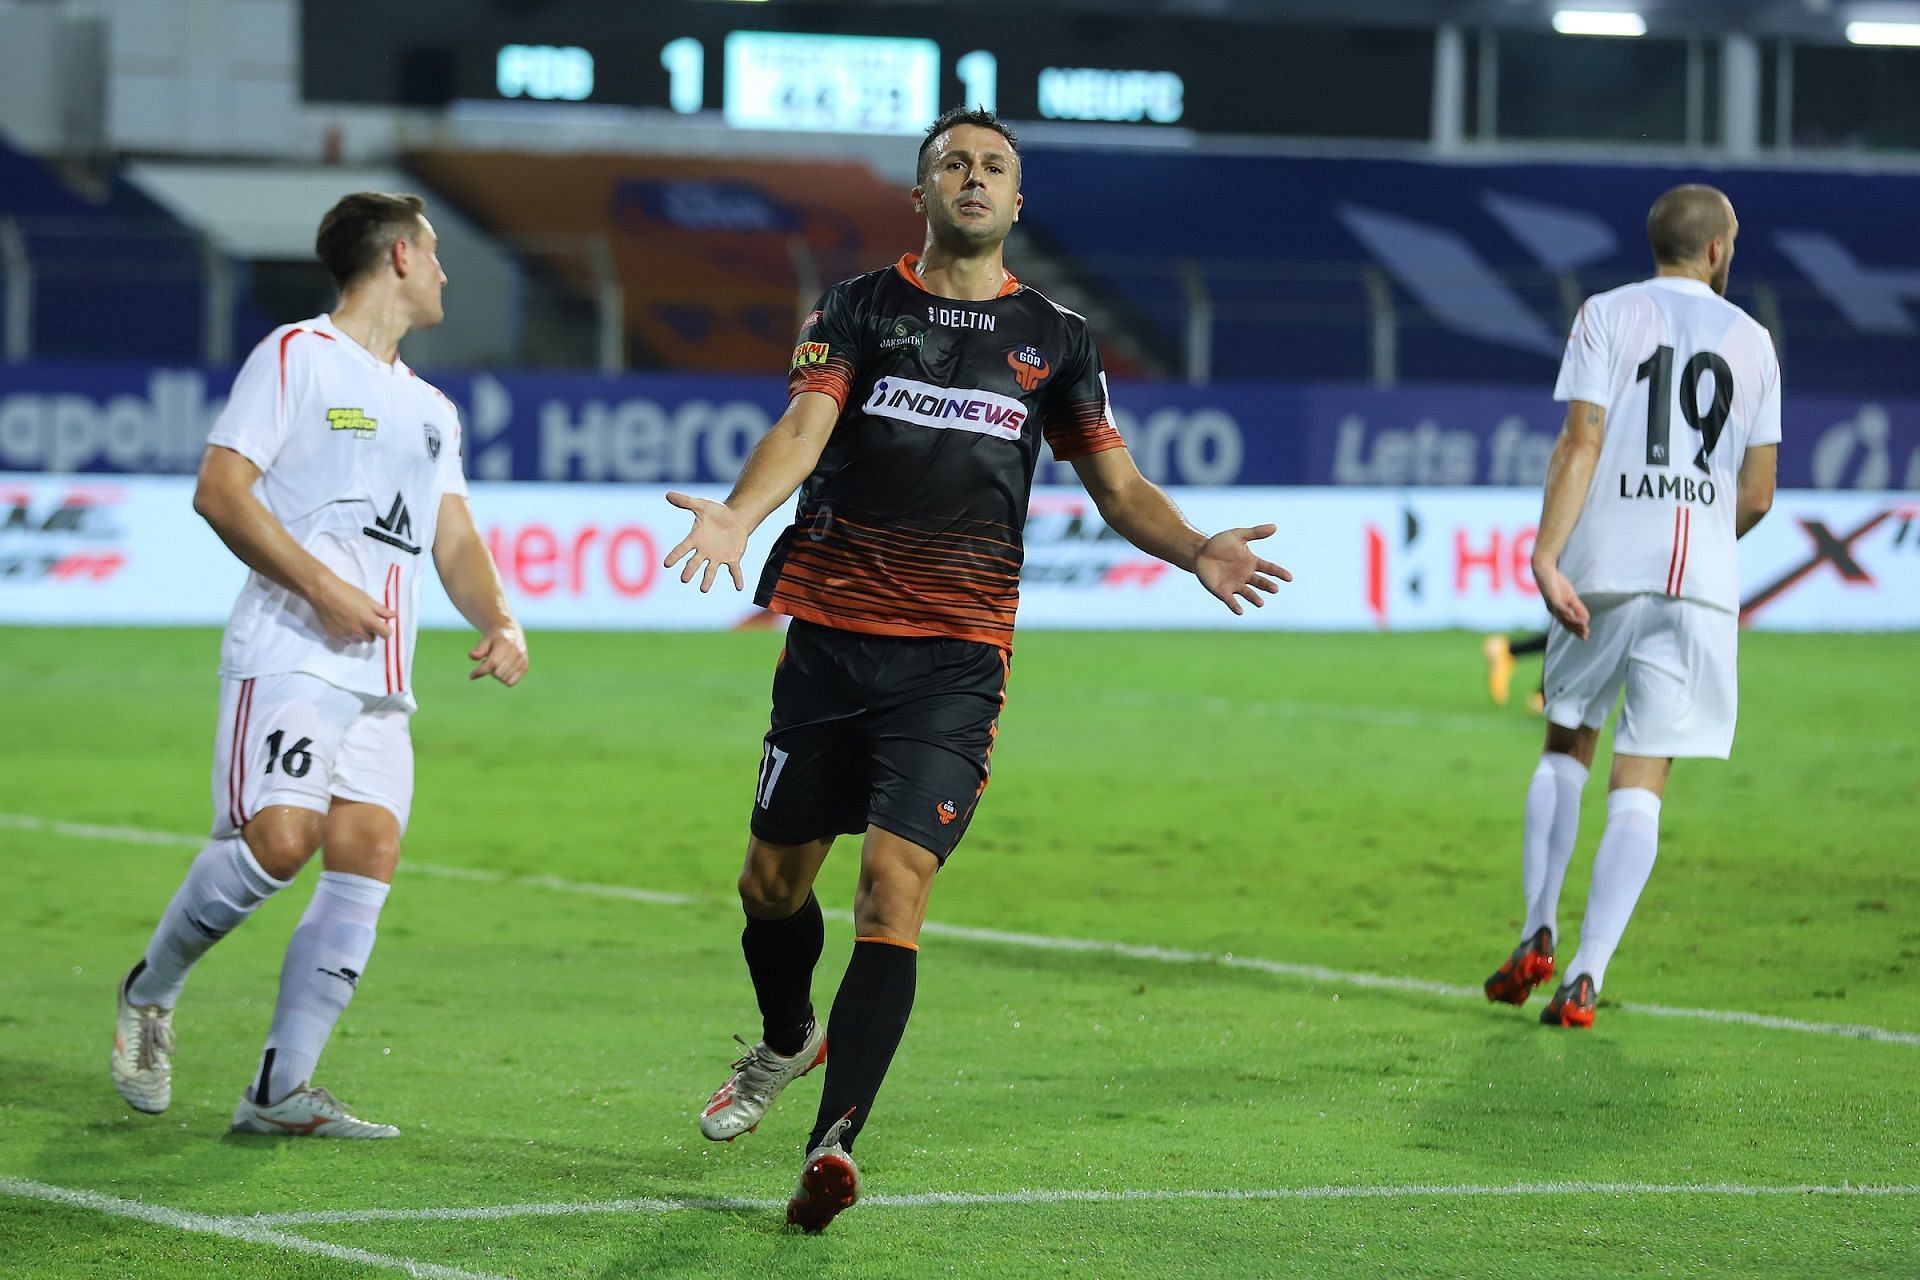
(1689, 383)
(355, 455)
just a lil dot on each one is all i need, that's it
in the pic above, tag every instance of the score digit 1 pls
(979, 74)
(686, 63)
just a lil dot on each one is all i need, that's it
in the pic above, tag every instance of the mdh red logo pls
(79, 566)
(79, 514)
(1030, 367)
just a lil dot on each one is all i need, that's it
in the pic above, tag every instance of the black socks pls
(780, 957)
(869, 1017)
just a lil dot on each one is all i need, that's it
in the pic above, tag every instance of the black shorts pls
(892, 731)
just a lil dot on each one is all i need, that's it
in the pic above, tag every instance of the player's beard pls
(1719, 280)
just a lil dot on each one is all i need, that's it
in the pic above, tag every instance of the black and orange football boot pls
(1530, 965)
(1572, 1005)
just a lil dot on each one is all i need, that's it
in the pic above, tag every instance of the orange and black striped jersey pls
(911, 523)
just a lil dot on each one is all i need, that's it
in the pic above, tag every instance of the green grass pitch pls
(1351, 802)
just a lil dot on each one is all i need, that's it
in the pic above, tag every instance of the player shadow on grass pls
(1542, 1104)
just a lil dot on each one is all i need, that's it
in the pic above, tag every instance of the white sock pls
(1620, 870)
(1553, 820)
(325, 959)
(222, 888)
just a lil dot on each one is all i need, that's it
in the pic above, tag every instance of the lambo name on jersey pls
(354, 455)
(911, 523)
(1689, 383)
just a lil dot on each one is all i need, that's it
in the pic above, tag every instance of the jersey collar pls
(1685, 284)
(324, 322)
(910, 262)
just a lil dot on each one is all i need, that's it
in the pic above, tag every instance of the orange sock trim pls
(891, 942)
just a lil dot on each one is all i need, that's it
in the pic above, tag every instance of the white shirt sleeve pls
(453, 477)
(254, 422)
(1766, 415)
(1585, 372)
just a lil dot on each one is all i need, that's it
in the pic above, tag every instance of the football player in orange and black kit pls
(919, 397)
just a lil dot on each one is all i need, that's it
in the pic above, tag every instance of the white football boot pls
(307, 1112)
(829, 1182)
(143, 1055)
(757, 1079)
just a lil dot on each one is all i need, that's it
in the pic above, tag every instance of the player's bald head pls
(1685, 220)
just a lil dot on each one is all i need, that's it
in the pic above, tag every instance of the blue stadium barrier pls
(135, 418)
(1482, 260)
(115, 277)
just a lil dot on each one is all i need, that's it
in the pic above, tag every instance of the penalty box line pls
(249, 1231)
(1029, 941)
(987, 1199)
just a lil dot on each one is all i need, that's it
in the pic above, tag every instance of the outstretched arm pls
(224, 498)
(473, 584)
(785, 456)
(1142, 513)
(1569, 474)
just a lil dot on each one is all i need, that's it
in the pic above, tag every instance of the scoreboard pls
(863, 68)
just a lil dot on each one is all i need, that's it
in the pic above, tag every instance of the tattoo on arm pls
(1593, 415)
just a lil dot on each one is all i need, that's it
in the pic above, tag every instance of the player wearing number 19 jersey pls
(333, 473)
(1667, 457)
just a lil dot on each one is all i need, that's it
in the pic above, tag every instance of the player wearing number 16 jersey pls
(1667, 457)
(333, 473)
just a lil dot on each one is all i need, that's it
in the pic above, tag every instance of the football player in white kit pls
(330, 472)
(1667, 457)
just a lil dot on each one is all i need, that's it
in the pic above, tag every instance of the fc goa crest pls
(1030, 367)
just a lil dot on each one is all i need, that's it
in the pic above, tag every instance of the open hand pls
(1228, 568)
(718, 537)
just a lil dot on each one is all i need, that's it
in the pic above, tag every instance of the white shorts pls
(295, 739)
(1677, 661)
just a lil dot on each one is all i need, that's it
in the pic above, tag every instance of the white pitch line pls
(1405, 718)
(982, 1199)
(247, 1230)
(1033, 941)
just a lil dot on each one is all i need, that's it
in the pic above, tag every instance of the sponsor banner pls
(78, 549)
(1420, 559)
(685, 429)
(131, 551)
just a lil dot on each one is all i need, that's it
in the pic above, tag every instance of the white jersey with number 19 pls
(1689, 383)
(355, 455)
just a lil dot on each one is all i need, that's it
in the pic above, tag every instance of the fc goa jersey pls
(354, 455)
(1689, 383)
(911, 523)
